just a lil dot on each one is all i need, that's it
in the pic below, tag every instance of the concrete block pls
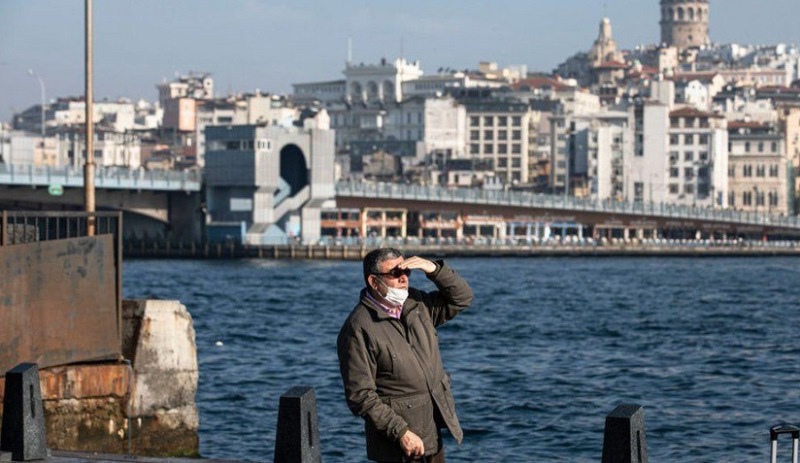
(297, 439)
(624, 440)
(23, 416)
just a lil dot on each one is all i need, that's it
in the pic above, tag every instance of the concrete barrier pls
(624, 440)
(23, 432)
(297, 439)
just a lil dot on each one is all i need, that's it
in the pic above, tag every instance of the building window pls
(747, 198)
(761, 147)
(773, 170)
(516, 135)
(488, 134)
(688, 189)
(502, 121)
(474, 148)
(773, 198)
(760, 171)
(673, 157)
(747, 170)
(488, 148)
(688, 173)
(688, 156)
(688, 139)
(502, 148)
(502, 135)
(674, 123)
(474, 134)
(774, 147)
(516, 148)
(674, 172)
(759, 198)
(673, 188)
(674, 140)
(516, 121)
(502, 163)
(474, 121)
(704, 155)
(488, 121)
(747, 147)
(689, 122)
(703, 139)
(731, 171)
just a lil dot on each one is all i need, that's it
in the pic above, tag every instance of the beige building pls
(789, 119)
(757, 168)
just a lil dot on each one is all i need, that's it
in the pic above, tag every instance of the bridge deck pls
(105, 178)
(525, 200)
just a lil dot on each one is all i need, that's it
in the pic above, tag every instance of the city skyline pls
(139, 44)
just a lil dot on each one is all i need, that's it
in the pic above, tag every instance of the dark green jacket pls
(392, 369)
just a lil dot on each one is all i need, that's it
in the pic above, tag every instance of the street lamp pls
(41, 88)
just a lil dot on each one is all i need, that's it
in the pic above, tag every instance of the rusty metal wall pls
(59, 302)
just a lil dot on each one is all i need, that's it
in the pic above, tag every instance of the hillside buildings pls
(685, 121)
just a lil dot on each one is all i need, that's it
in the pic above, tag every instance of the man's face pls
(386, 268)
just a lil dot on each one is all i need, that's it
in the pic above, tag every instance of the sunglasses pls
(396, 272)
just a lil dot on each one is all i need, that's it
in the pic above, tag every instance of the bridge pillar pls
(186, 220)
(626, 233)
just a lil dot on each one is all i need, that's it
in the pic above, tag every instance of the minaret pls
(684, 23)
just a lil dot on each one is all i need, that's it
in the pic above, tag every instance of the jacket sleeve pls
(453, 294)
(358, 368)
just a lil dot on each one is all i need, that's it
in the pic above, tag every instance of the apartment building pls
(498, 132)
(758, 168)
(697, 158)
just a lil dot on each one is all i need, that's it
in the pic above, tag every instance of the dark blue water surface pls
(710, 348)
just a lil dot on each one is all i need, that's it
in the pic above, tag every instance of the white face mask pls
(395, 296)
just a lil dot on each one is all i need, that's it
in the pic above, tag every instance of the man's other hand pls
(412, 445)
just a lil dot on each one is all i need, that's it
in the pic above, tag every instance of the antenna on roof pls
(401, 48)
(349, 50)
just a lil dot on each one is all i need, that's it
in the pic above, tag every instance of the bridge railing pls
(565, 203)
(111, 177)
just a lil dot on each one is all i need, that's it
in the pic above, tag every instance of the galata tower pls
(684, 23)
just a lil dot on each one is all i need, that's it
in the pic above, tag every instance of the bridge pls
(174, 197)
(150, 200)
(110, 178)
(527, 207)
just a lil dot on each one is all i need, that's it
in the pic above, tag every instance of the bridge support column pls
(626, 233)
(186, 220)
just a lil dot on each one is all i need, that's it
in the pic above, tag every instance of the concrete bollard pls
(297, 439)
(624, 440)
(23, 434)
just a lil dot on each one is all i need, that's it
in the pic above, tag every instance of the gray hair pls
(375, 257)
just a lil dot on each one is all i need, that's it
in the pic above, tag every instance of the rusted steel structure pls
(61, 290)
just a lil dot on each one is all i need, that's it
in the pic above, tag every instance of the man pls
(390, 361)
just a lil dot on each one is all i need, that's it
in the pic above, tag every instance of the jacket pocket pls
(417, 411)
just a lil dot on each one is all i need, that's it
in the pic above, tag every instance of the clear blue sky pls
(269, 44)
